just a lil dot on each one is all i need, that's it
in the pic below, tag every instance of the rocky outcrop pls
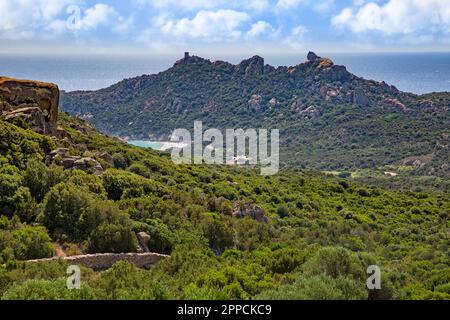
(105, 261)
(360, 98)
(328, 69)
(33, 117)
(328, 93)
(427, 105)
(35, 103)
(297, 104)
(254, 103)
(396, 105)
(144, 239)
(273, 103)
(310, 113)
(312, 57)
(416, 161)
(61, 157)
(243, 209)
(252, 66)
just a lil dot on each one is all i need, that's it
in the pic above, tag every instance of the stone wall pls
(105, 261)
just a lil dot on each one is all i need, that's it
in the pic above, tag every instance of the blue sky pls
(233, 26)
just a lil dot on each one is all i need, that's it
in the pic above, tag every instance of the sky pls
(232, 26)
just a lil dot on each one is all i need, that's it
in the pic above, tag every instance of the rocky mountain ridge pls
(321, 109)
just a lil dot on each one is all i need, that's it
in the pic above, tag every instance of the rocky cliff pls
(33, 102)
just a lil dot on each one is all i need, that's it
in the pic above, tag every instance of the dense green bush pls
(125, 282)
(46, 290)
(116, 238)
(335, 262)
(32, 243)
(64, 211)
(14, 197)
(39, 178)
(319, 287)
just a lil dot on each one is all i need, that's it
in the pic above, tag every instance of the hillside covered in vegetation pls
(329, 119)
(230, 233)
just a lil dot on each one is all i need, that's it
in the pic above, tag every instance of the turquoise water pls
(412, 72)
(147, 144)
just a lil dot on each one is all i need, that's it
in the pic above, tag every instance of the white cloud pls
(259, 28)
(296, 37)
(324, 6)
(190, 5)
(257, 5)
(396, 17)
(185, 4)
(208, 25)
(98, 15)
(25, 19)
(20, 18)
(289, 4)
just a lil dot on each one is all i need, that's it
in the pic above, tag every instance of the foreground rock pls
(61, 157)
(144, 239)
(35, 103)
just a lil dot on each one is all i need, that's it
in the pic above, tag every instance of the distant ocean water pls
(147, 144)
(412, 72)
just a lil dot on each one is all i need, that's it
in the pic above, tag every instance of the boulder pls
(69, 162)
(86, 164)
(360, 98)
(144, 239)
(297, 105)
(33, 117)
(310, 113)
(61, 157)
(328, 69)
(62, 152)
(244, 209)
(254, 103)
(273, 103)
(338, 73)
(252, 66)
(107, 158)
(34, 102)
(312, 57)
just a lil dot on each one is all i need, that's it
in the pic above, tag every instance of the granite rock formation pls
(36, 103)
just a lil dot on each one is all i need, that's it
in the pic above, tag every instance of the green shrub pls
(32, 243)
(109, 237)
(334, 262)
(14, 198)
(47, 290)
(64, 211)
(320, 287)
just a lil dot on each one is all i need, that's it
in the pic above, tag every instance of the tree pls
(15, 198)
(109, 237)
(32, 243)
(40, 179)
(64, 210)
